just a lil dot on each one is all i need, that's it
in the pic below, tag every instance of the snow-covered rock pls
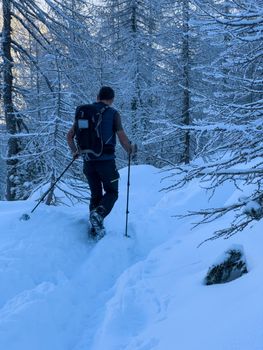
(231, 265)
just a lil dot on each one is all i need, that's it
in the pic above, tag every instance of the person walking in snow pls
(100, 168)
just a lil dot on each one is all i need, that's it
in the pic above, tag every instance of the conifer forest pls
(188, 78)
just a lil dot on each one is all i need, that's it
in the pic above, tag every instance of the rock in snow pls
(231, 266)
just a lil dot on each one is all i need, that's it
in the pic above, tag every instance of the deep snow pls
(60, 290)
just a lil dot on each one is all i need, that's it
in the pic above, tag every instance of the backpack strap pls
(100, 115)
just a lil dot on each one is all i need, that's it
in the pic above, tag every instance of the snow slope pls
(59, 290)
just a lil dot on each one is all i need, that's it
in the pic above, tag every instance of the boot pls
(96, 220)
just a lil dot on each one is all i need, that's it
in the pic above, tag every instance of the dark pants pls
(102, 175)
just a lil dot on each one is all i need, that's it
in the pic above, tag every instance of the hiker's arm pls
(71, 142)
(124, 141)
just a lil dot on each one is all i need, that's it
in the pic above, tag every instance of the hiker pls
(101, 171)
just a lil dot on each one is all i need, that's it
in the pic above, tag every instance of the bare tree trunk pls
(134, 102)
(186, 92)
(10, 118)
(50, 197)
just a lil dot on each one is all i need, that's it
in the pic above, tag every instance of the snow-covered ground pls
(59, 290)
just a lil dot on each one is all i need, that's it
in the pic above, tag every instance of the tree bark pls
(186, 92)
(10, 118)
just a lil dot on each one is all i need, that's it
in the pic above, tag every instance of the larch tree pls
(235, 116)
(176, 59)
(50, 55)
(8, 103)
(128, 30)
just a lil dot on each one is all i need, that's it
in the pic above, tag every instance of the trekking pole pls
(26, 216)
(128, 195)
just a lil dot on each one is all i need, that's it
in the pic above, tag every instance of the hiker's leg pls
(89, 169)
(110, 178)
